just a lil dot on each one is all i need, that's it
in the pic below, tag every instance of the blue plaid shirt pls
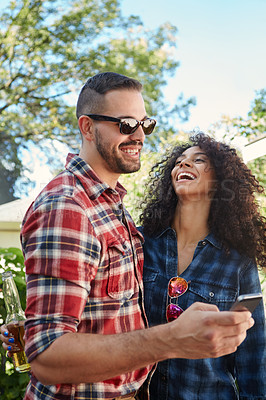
(216, 279)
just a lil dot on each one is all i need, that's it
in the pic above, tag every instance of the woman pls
(201, 223)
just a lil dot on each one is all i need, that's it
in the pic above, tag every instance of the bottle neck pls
(12, 301)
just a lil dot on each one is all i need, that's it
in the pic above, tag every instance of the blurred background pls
(202, 65)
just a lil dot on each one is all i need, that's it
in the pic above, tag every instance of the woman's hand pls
(8, 342)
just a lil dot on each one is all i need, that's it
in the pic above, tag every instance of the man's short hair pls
(91, 97)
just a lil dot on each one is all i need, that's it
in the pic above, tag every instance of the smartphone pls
(246, 302)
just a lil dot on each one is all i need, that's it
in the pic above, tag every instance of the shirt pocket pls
(221, 295)
(121, 276)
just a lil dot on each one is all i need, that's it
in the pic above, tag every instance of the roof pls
(14, 211)
(254, 149)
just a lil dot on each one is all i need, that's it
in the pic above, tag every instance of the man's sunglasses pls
(127, 126)
(176, 287)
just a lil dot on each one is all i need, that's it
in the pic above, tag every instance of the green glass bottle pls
(15, 321)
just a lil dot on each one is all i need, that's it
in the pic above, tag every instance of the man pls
(86, 329)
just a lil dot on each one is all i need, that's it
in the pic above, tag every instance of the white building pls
(11, 216)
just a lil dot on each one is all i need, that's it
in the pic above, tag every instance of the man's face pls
(119, 153)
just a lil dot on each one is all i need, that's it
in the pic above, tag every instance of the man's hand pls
(203, 331)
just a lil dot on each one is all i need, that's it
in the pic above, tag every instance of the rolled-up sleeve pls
(61, 258)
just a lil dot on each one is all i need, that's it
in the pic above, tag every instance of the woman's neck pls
(191, 222)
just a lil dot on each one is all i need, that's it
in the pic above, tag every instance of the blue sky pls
(221, 50)
(221, 47)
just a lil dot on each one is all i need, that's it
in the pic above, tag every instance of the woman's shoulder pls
(232, 254)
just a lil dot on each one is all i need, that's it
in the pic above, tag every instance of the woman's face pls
(193, 175)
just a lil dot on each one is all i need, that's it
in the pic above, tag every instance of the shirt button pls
(211, 294)
(203, 243)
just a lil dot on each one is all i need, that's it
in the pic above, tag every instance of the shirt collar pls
(210, 238)
(213, 240)
(85, 174)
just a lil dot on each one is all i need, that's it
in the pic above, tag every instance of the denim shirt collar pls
(210, 238)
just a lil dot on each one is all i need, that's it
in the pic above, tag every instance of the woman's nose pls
(186, 162)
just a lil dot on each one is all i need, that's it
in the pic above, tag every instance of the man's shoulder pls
(59, 188)
(62, 193)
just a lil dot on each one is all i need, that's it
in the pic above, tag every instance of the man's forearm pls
(80, 357)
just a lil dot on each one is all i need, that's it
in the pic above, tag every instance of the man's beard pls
(112, 157)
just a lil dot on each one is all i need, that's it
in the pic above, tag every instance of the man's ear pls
(86, 127)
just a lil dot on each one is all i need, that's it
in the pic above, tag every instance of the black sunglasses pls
(127, 126)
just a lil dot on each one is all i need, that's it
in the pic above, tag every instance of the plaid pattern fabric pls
(215, 279)
(80, 273)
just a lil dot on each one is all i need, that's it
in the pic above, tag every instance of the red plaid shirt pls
(80, 273)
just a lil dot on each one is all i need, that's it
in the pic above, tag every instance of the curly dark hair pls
(234, 216)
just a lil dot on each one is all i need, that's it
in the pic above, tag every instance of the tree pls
(10, 167)
(11, 171)
(251, 128)
(48, 48)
